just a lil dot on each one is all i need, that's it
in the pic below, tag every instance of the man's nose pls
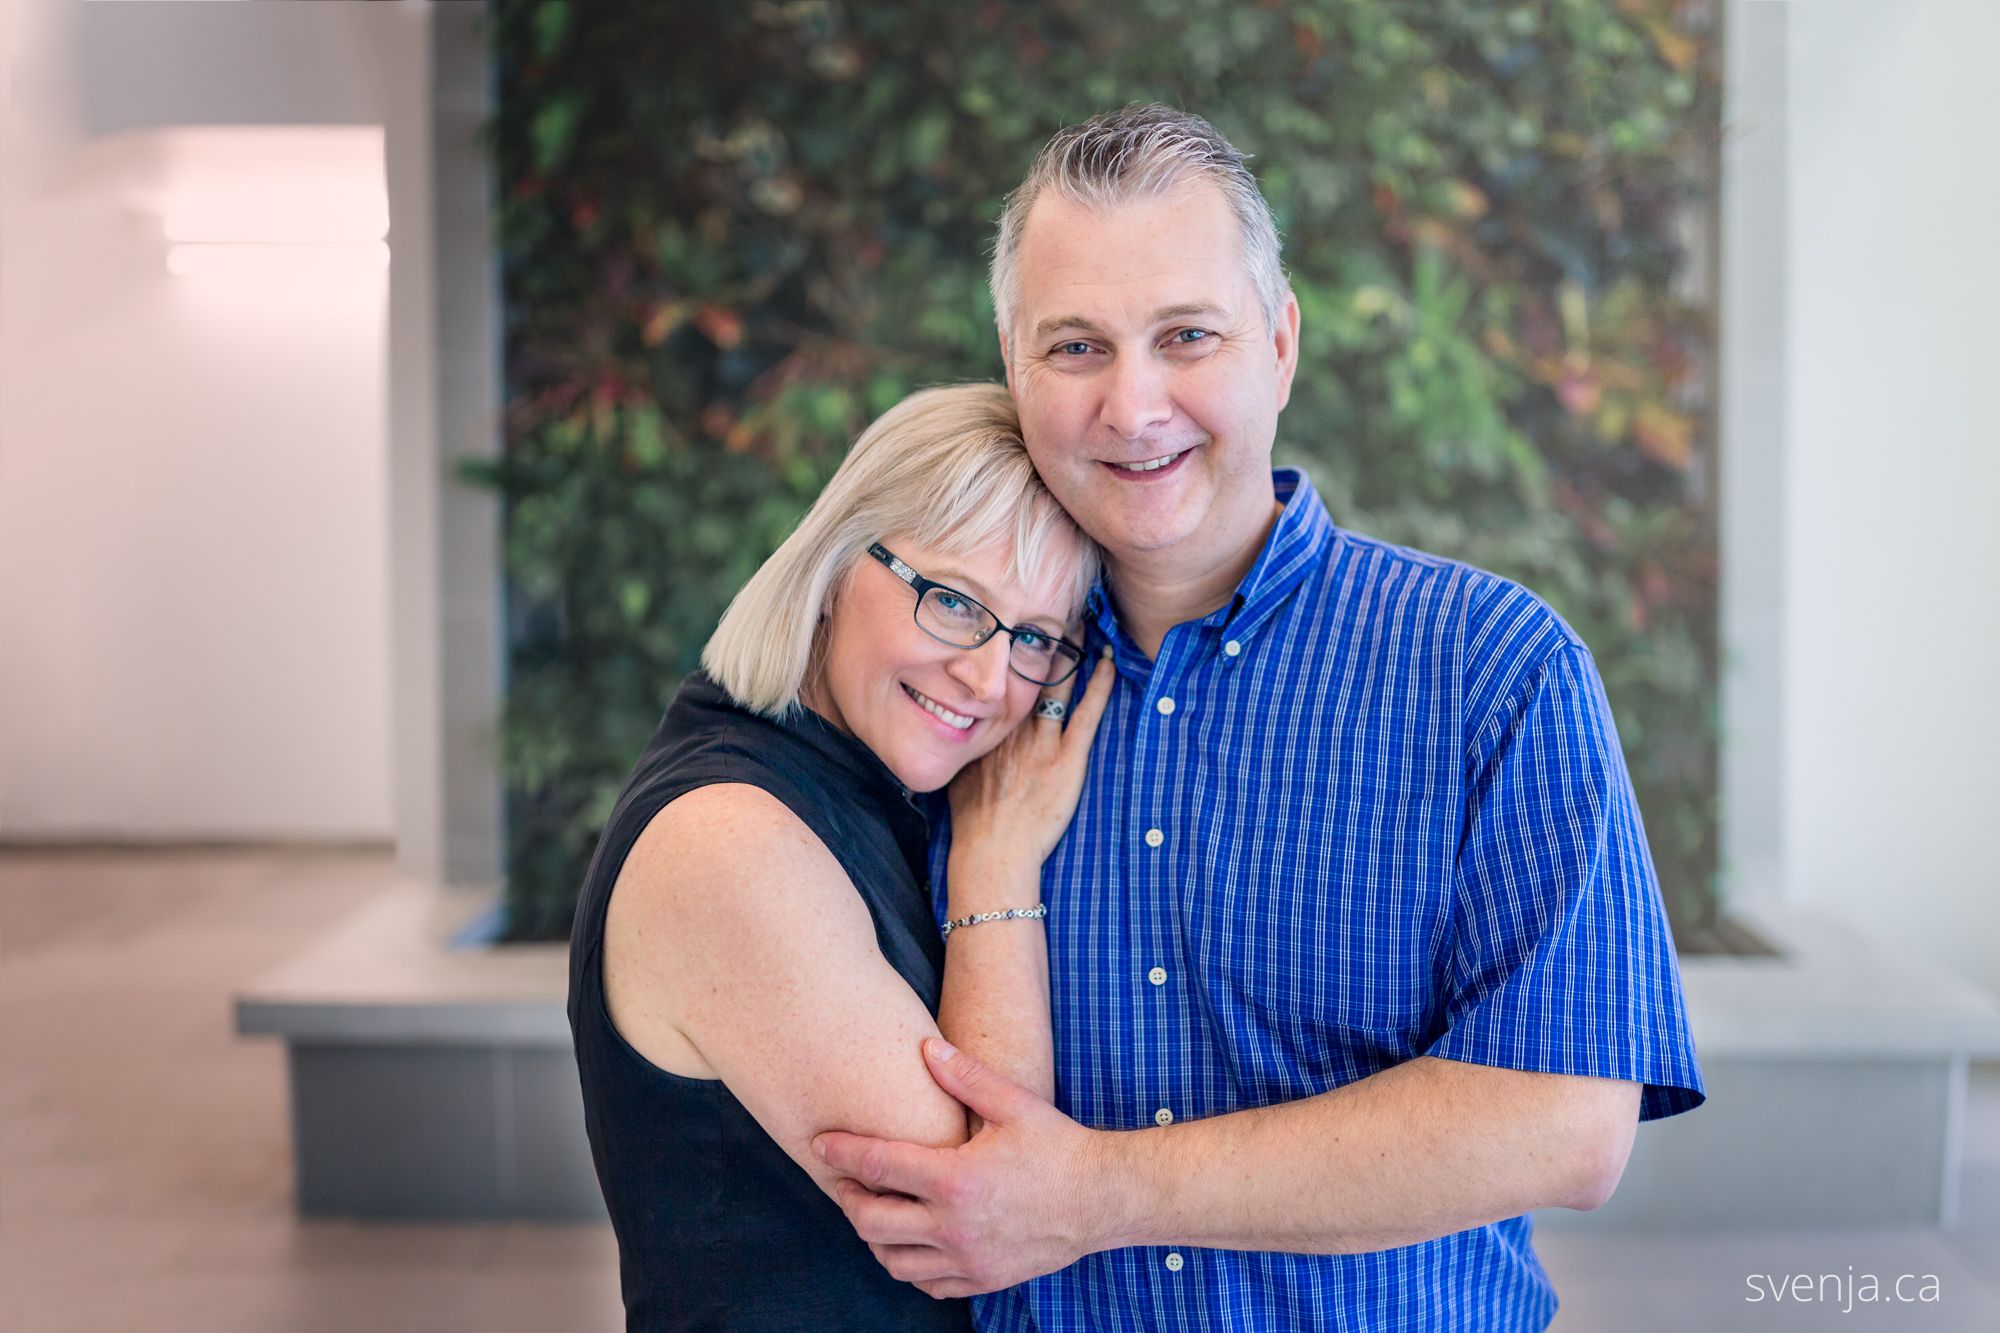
(1136, 399)
(983, 670)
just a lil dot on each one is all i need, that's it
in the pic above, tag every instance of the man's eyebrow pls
(1184, 312)
(1160, 316)
(1048, 326)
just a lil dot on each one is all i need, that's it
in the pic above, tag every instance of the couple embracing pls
(1084, 879)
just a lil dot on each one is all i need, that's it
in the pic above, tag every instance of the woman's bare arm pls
(736, 947)
(733, 932)
(995, 1001)
(1008, 812)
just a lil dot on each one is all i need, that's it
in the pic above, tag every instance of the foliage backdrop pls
(732, 233)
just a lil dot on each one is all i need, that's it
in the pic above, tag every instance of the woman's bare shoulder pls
(718, 878)
(737, 948)
(727, 833)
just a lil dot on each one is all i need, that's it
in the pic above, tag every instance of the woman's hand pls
(1012, 806)
(1008, 812)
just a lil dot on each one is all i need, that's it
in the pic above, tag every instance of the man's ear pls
(1006, 355)
(1285, 342)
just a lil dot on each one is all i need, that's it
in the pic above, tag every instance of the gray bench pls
(427, 1081)
(437, 1082)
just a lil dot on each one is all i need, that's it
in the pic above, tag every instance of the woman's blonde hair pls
(945, 468)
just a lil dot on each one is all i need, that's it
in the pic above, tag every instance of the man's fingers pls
(989, 1094)
(914, 1263)
(882, 1219)
(930, 1270)
(881, 1165)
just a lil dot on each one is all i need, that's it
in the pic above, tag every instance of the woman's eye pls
(956, 607)
(1029, 641)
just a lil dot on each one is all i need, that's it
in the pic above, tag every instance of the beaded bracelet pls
(1035, 913)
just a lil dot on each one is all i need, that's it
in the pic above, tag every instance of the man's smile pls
(1150, 468)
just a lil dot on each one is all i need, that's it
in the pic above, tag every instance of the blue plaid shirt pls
(1373, 808)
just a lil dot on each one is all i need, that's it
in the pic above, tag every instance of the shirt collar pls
(1301, 537)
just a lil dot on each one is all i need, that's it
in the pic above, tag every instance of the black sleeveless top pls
(717, 1228)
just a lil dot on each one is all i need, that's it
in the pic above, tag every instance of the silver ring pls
(1051, 708)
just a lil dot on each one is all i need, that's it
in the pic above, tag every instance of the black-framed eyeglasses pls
(956, 618)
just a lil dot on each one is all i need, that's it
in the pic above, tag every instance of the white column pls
(1861, 559)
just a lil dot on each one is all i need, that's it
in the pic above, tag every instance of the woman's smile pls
(954, 726)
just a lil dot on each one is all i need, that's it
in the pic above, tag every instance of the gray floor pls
(145, 1180)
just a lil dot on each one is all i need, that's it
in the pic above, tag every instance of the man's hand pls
(1023, 1197)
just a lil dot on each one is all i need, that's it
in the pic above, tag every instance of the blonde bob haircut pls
(946, 469)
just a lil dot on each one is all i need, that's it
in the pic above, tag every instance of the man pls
(1356, 933)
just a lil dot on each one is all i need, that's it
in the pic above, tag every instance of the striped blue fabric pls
(1372, 809)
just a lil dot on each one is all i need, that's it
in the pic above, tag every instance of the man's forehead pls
(1165, 256)
(1191, 209)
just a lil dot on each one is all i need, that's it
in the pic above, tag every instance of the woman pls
(755, 957)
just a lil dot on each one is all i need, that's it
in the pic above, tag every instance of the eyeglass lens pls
(957, 619)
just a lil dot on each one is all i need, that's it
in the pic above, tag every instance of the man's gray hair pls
(1141, 152)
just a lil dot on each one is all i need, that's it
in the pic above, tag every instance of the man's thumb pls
(990, 1095)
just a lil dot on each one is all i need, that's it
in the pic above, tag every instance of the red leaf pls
(722, 327)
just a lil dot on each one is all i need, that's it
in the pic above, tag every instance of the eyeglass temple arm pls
(896, 566)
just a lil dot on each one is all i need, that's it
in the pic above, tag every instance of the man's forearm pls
(1420, 1150)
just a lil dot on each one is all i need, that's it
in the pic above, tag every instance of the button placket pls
(1164, 875)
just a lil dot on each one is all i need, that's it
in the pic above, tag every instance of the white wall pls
(194, 477)
(1863, 553)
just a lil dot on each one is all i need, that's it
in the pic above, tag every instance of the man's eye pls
(1073, 349)
(1187, 337)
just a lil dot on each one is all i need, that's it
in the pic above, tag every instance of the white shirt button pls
(1158, 976)
(1154, 837)
(1166, 706)
(1231, 648)
(1163, 1116)
(1174, 1262)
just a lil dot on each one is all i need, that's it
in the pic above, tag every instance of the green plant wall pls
(733, 232)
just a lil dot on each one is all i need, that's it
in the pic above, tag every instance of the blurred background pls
(392, 395)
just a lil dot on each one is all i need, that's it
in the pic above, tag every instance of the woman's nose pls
(983, 670)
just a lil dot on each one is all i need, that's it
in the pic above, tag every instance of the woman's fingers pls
(1083, 719)
(1063, 691)
(1058, 695)
(1074, 634)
